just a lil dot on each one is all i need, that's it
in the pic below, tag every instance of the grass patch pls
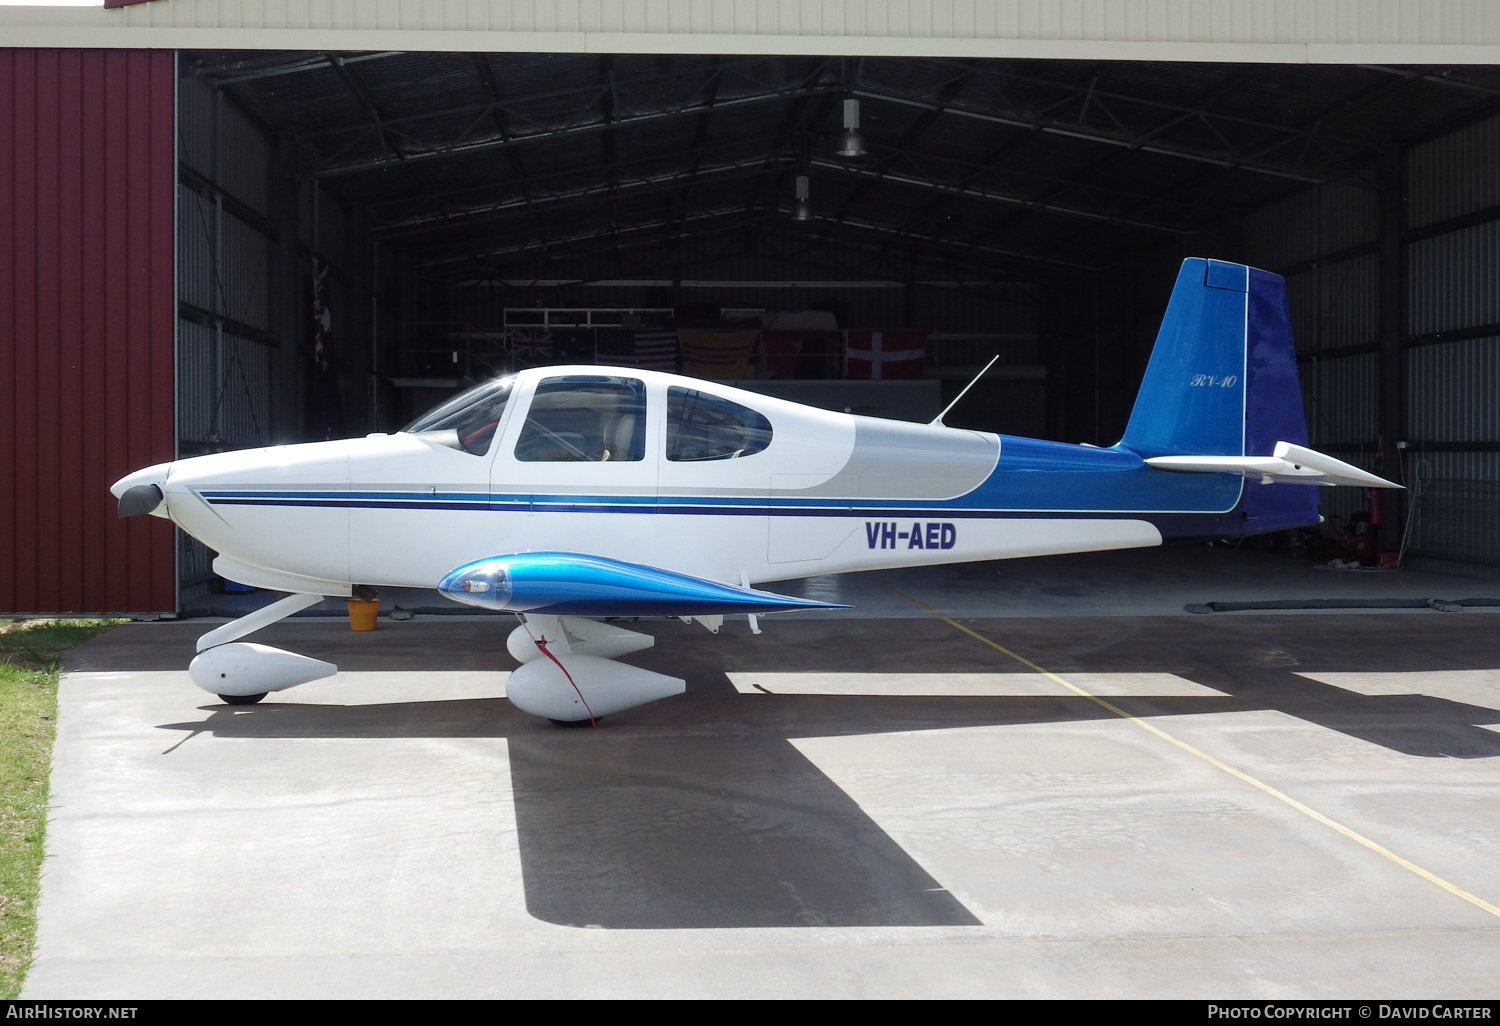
(29, 655)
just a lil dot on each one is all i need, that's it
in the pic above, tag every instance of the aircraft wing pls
(575, 584)
(1290, 464)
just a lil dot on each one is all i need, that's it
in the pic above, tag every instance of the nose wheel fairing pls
(237, 671)
(244, 669)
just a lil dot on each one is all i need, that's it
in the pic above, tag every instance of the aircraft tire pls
(242, 699)
(573, 723)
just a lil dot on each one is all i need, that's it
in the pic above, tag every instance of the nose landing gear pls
(242, 673)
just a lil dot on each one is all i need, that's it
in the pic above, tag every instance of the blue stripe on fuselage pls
(1031, 478)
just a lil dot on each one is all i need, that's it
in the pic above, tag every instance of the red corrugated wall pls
(87, 182)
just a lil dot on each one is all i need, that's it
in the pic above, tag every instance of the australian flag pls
(572, 345)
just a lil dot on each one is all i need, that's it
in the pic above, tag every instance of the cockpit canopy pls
(596, 418)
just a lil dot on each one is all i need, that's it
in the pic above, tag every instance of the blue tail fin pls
(1222, 381)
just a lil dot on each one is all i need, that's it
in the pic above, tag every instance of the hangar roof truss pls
(579, 166)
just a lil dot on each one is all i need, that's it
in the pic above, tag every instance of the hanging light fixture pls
(801, 210)
(851, 143)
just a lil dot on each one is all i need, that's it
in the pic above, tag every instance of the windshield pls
(466, 422)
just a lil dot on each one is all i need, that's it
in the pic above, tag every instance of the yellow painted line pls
(1280, 796)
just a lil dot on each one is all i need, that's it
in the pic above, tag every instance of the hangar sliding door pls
(87, 171)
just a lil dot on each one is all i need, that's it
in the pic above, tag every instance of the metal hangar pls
(229, 224)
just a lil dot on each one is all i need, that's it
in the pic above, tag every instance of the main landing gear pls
(568, 674)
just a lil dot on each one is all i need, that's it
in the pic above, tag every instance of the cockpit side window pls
(705, 427)
(467, 422)
(585, 419)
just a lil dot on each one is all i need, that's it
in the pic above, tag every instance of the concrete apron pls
(906, 813)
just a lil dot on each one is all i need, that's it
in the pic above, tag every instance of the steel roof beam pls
(1042, 205)
(590, 236)
(570, 132)
(604, 191)
(947, 94)
(700, 138)
(1202, 101)
(1433, 75)
(1340, 107)
(502, 125)
(1139, 143)
(966, 247)
(788, 244)
(588, 96)
(738, 216)
(793, 123)
(412, 213)
(530, 199)
(1198, 108)
(295, 67)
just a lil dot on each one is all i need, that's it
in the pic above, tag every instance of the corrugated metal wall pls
(1325, 239)
(1453, 175)
(86, 326)
(1453, 381)
(1451, 278)
(225, 362)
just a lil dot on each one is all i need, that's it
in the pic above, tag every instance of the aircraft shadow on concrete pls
(699, 812)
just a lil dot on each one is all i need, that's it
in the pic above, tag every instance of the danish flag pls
(884, 354)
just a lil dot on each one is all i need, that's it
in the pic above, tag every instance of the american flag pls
(652, 349)
(532, 347)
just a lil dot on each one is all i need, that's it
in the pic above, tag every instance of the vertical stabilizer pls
(1222, 381)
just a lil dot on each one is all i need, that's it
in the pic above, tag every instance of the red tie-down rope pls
(542, 644)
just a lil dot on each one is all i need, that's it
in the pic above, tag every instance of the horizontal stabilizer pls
(1291, 464)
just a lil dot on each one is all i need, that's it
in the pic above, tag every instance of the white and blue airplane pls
(570, 494)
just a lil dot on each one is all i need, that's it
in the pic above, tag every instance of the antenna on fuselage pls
(938, 420)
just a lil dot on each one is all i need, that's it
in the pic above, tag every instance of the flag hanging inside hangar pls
(326, 416)
(884, 355)
(572, 345)
(648, 349)
(802, 354)
(717, 355)
(656, 349)
(531, 347)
